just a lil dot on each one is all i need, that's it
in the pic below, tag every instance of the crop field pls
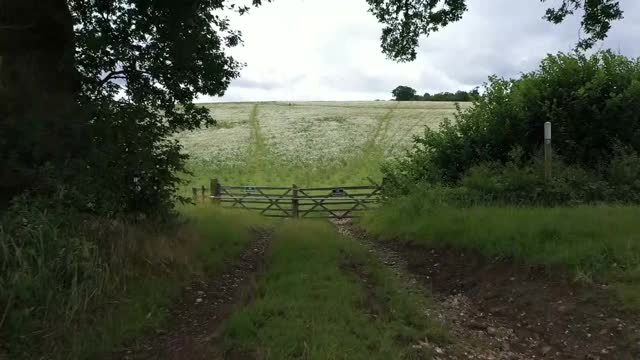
(306, 143)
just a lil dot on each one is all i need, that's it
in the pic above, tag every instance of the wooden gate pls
(339, 202)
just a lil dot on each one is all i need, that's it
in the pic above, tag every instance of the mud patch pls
(542, 309)
(195, 327)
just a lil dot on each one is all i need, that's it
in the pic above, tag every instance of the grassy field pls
(306, 143)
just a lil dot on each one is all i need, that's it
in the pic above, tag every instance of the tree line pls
(406, 93)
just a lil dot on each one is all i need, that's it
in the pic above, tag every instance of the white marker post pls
(547, 151)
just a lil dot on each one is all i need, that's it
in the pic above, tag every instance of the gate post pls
(215, 190)
(294, 201)
(547, 151)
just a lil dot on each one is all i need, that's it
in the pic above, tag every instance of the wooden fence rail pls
(328, 202)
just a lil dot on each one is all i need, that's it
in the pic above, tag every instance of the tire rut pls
(256, 139)
(380, 132)
(194, 331)
(497, 313)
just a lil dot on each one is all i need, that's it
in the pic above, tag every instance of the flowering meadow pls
(306, 143)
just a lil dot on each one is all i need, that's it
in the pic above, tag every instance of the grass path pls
(257, 147)
(379, 133)
(401, 138)
(324, 297)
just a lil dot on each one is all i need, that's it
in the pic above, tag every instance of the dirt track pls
(501, 310)
(495, 309)
(194, 329)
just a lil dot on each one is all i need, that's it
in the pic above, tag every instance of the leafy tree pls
(103, 118)
(404, 93)
(406, 21)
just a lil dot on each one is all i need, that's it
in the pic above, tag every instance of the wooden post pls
(215, 190)
(294, 201)
(195, 195)
(547, 151)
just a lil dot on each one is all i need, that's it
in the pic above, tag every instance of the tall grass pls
(323, 297)
(594, 239)
(73, 286)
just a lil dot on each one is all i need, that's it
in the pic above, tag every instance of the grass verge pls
(324, 297)
(123, 283)
(599, 241)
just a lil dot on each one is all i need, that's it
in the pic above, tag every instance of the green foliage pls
(312, 303)
(522, 182)
(623, 174)
(91, 284)
(405, 24)
(592, 102)
(404, 93)
(106, 134)
(174, 52)
(459, 95)
(596, 19)
(55, 269)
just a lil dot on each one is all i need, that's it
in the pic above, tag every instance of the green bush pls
(593, 103)
(623, 174)
(521, 181)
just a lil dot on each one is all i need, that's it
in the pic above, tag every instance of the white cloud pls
(330, 49)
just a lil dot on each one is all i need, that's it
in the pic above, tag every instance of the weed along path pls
(500, 310)
(194, 329)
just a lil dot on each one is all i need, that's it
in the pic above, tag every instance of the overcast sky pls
(330, 49)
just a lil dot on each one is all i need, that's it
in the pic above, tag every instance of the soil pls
(372, 304)
(194, 332)
(499, 309)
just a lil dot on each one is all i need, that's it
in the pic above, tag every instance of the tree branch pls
(17, 27)
(112, 75)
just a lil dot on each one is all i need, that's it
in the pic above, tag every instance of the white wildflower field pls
(306, 143)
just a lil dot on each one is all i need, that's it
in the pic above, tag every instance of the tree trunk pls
(39, 123)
